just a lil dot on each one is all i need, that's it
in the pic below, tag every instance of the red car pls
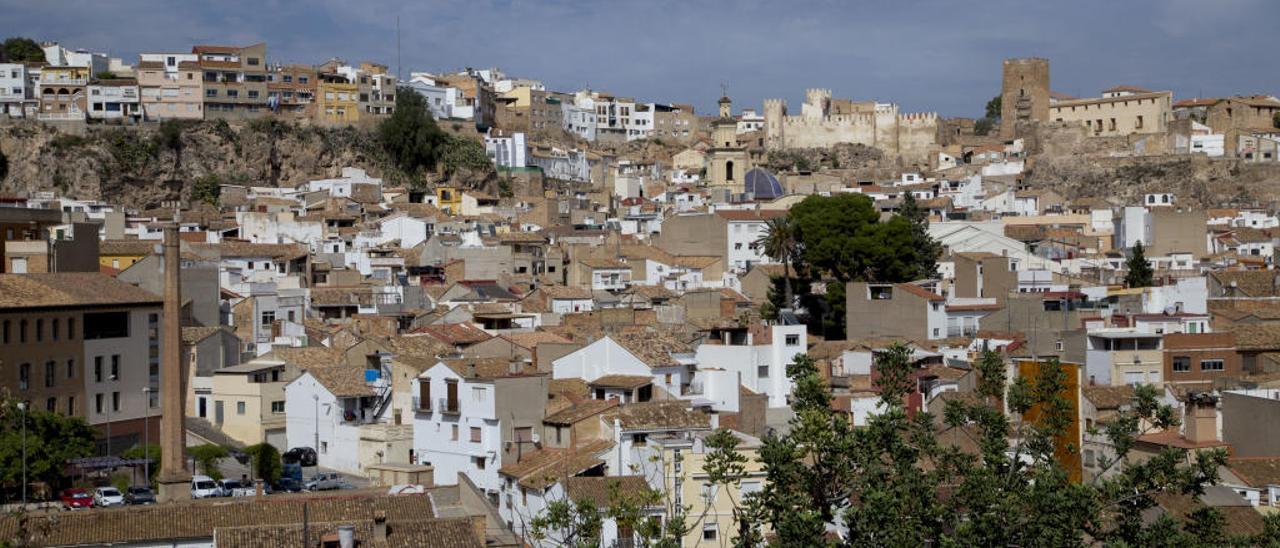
(76, 499)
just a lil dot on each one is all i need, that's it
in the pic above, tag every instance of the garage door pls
(277, 438)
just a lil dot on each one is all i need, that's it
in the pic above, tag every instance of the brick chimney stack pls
(174, 480)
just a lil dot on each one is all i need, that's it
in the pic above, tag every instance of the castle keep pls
(824, 122)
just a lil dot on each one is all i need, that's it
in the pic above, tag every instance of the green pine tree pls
(1139, 270)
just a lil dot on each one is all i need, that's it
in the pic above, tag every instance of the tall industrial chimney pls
(174, 480)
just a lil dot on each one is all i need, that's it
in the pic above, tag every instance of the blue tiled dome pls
(762, 184)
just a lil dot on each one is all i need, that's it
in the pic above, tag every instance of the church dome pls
(762, 184)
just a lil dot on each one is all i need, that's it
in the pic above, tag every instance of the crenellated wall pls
(913, 136)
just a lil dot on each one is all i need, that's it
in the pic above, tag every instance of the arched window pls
(728, 170)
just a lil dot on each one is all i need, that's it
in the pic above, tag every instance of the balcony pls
(448, 406)
(421, 404)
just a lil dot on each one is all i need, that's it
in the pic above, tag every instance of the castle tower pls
(775, 113)
(1024, 93)
(817, 103)
(726, 107)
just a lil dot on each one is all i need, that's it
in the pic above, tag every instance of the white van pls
(204, 487)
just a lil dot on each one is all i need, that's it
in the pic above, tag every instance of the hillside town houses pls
(524, 347)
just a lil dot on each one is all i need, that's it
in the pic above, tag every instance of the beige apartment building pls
(235, 80)
(172, 88)
(1119, 112)
(248, 402)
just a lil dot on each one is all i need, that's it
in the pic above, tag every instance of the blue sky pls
(934, 55)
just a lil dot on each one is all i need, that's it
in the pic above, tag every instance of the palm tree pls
(779, 243)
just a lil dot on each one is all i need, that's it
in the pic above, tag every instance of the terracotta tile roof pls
(921, 292)
(1134, 89)
(343, 381)
(546, 466)
(579, 411)
(532, 339)
(573, 389)
(1172, 438)
(602, 264)
(490, 368)
(228, 248)
(1248, 283)
(1237, 520)
(1256, 471)
(307, 357)
(77, 289)
(1189, 103)
(457, 334)
(1257, 337)
(127, 247)
(442, 532)
(342, 296)
(155, 524)
(192, 335)
(1109, 397)
(563, 292)
(652, 348)
(603, 490)
(625, 382)
(660, 415)
(522, 237)
(418, 351)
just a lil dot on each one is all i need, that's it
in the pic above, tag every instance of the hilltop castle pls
(824, 121)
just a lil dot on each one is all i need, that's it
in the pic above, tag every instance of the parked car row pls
(105, 497)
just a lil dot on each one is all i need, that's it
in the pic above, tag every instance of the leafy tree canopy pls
(207, 457)
(266, 462)
(20, 50)
(842, 236)
(410, 135)
(51, 439)
(993, 107)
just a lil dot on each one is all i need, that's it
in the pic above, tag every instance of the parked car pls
(107, 496)
(139, 495)
(203, 487)
(76, 499)
(234, 488)
(326, 481)
(305, 456)
(287, 485)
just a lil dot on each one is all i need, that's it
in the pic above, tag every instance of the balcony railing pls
(422, 404)
(449, 406)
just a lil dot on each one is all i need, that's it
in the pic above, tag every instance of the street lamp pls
(22, 406)
(316, 397)
(146, 434)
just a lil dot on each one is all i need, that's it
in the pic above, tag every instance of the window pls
(793, 340)
(50, 373)
(1088, 458)
(454, 437)
(97, 369)
(1212, 365)
(6, 332)
(115, 367)
(479, 461)
(97, 403)
(51, 405)
(324, 448)
(476, 436)
(233, 93)
(709, 531)
(253, 94)
(24, 376)
(277, 407)
(210, 93)
(22, 331)
(240, 408)
(71, 368)
(106, 325)
(71, 405)
(115, 401)
(762, 371)
(53, 329)
(268, 317)
(253, 61)
(1181, 364)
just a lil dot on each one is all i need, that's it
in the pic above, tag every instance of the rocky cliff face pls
(1195, 181)
(141, 167)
